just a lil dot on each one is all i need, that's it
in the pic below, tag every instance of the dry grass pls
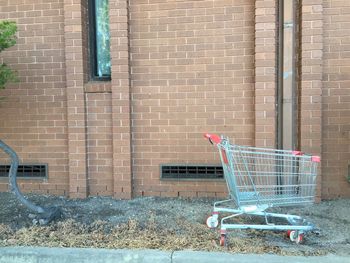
(132, 235)
(166, 224)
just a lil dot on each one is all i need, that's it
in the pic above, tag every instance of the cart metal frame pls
(261, 178)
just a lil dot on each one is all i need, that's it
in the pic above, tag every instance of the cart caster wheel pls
(212, 221)
(223, 240)
(300, 239)
(292, 234)
(296, 237)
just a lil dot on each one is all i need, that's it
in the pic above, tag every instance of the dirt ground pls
(165, 223)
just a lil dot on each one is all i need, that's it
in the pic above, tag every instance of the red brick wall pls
(265, 73)
(74, 31)
(192, 71)
(179, 69)
(311, 80)
(99, 143)
(33, 118)
(121, 90)
(336, 99)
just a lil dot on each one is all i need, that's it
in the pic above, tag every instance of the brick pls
(183, 69)
(30, 38)
(265, 79)
(334, 164)
(195, 48)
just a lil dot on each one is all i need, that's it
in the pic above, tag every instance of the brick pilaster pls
(75, 99)
(121, 123)
(336, 100)
(265, 73)
(311, 78)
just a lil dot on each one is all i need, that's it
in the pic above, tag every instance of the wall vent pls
(191, 172)
(25, 170)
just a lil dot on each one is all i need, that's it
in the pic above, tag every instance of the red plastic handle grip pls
(316, 159)
(213, 138)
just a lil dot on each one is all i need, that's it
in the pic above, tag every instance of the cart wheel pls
(300, 239)
(212, 221)
(223, 240)
(293, 235)
(288, 233)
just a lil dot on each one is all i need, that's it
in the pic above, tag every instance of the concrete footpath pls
(88, 255)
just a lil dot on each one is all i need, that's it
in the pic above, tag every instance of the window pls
(99, 40)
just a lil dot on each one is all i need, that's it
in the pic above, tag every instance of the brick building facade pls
(180, 68)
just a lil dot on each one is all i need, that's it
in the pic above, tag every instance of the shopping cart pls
(259, 179)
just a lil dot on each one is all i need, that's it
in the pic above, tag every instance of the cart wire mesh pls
(260, 176)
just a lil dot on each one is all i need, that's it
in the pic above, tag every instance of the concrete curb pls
(80, 255)
(213, 257)
(90, 255)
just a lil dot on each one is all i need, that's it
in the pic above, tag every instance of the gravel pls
(165, 223)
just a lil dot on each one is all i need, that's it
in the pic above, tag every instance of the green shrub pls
(8, 31)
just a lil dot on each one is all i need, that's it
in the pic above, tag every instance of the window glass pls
(103, 58)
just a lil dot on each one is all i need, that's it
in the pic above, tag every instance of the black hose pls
(13, 179)
(48, 214)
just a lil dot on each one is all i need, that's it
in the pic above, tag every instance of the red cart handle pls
(314, 158)
(213, 138)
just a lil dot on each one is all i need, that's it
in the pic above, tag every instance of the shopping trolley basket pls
(261, 178)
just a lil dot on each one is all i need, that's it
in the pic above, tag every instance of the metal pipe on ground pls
(43, 215)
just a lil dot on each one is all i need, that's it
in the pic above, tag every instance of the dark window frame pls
(93, 44)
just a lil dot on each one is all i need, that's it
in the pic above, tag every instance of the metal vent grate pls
(25, 170)
(191, 172)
